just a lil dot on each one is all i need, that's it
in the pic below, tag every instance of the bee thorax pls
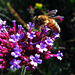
(46, 22)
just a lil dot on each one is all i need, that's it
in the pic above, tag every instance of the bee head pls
(36, 20)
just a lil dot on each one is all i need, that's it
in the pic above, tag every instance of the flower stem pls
(23, 70)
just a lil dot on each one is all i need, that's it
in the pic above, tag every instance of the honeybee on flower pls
(48, 20)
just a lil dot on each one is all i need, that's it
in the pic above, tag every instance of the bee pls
(48, 20)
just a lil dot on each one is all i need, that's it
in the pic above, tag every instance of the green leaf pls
(72, 1)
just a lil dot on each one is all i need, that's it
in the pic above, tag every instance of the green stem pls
(23, 70)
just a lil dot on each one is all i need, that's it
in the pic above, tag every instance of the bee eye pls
(36, 20)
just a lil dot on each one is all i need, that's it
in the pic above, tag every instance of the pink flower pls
(61, 19)
(18, 48)
(30, 6)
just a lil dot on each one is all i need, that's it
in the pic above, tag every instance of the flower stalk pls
(25, 49)
(23, 70)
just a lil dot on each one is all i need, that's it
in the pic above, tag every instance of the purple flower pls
(27, 67)
(14, 38)
(55, 36)
(42, 47)
(3, 28)
(47, 10)
(49, 41)
(21, 36)
(14, 21)
(31, 35)
(17, 52)
(35, 60)
(19, 29)
(15, 64)
(16, 48)
(2, 22)
(59, 55)
(30, 25)
(46, 29)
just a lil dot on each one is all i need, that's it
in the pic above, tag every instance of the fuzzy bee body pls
(53, 25)
(50, 22)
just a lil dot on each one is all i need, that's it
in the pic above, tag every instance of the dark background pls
(66, 43)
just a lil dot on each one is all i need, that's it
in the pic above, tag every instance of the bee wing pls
(52, 12)
(56, 17)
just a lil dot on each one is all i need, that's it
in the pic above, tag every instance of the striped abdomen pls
(53, 25)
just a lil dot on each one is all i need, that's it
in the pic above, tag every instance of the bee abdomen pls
(53, 25)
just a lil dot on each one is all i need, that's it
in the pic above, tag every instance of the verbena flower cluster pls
(18, 47)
